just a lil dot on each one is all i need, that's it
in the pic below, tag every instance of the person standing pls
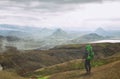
(88, 56)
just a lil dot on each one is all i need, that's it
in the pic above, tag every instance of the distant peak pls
(92, 34)
(59, 29)
(100, 29)
(59, 32)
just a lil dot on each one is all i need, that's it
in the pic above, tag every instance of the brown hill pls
(70, 66)
(109, 71)
(30, 60)
(9, 75)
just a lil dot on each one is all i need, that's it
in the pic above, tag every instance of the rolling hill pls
(10, 75)
(88, 38)
(34, 59)
(109, 71)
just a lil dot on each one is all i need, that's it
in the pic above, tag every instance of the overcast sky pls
(72, 14)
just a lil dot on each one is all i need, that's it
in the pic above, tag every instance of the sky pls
(65, 14)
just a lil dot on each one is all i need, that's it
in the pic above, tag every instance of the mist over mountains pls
(25, 37)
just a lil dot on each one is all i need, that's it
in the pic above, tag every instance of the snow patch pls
(106, 41)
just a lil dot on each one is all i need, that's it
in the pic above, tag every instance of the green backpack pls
(90, 52)
(90, 56)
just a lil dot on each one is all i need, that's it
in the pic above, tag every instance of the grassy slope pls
(74, 68)
(9, 75)
(109, 71)
(71, 70)
(35, 59)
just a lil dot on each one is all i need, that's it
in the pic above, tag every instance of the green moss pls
(46, 77)
(98, 63)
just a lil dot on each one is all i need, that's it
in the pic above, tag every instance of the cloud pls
(62, 13)
(60, 1)
(104, 19)
(46, 5)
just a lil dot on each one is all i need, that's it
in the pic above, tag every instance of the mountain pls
(9, 41)
(115, 34)
(10, 27)
(45, 38)
(59, 33)
(110, 34)
(32, 37)
(9, 38)
(1, 37)
(42, 33)
(14, 33)
(13, 30)
(19, 28)
(57, 37)
(88, 38)
(101, 31)
(12, 38)
(24, 31)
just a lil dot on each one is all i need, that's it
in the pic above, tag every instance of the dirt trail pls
(109, 71)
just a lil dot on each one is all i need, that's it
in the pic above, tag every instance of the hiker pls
(87, 57)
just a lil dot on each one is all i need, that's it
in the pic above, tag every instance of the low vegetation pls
(71, 66)
(9, 75)
(49, 61)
